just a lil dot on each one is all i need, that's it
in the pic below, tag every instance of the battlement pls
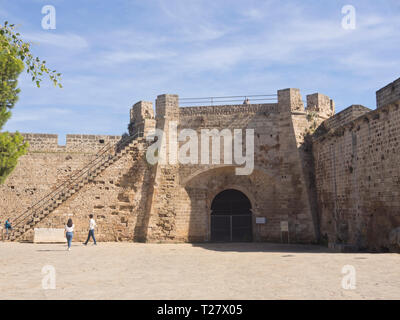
(355, 117)
(40, 142)
(388, 94)
(320, 103)
(349, 114)
(141, 118)
(89, 143)
(167, 106)
(228, 109)
(290, 100)
(141, 110)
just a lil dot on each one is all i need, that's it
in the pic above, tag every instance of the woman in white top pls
(69, 228)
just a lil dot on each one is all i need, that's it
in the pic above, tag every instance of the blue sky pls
(115, 53)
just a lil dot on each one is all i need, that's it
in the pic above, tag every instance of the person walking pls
(92, 225)
(69, 233)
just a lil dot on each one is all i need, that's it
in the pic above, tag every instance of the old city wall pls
(115, 196)
(358, 176)
(332, 177)
(45, 166)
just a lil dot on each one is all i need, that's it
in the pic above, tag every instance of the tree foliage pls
(12, 146)
(15, 55)
(11, 44)
(10, 68)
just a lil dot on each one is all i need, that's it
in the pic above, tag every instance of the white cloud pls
(202, 33)
(253, 14)
(121, 56)
(65, 41)
(194, 21)
(364, 62)
(41, 114)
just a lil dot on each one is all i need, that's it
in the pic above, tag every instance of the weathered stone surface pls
(357, 176)
(334, 178)
(49, 235)
(388, 94)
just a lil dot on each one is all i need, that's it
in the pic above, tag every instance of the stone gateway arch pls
(231, 217)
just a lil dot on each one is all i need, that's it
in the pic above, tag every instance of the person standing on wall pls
(92, 225)
(69, 233)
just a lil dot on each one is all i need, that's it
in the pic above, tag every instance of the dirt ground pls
(190, 271)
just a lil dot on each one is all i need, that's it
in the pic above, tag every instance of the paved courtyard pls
(186, 271)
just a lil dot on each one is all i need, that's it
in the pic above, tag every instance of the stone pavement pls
(193, 271)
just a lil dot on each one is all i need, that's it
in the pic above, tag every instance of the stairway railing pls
(74, 179)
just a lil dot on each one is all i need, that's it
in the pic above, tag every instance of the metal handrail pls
(73, 178)
(67, 183)
(244, 98)
(218, 101)
(100, 153)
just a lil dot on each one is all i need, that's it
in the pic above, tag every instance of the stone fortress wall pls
(332, 177)
(46, 166)
(110, 196)
(358, 174)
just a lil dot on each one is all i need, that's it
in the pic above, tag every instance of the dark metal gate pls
(231, 218)
(237, 228)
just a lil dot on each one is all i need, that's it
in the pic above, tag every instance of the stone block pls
(49, 235)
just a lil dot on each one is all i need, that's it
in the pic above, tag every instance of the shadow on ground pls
(222, 247)
(265, 247)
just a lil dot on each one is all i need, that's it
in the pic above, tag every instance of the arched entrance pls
(231, 217)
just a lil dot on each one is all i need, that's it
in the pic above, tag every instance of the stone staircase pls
(41, 209)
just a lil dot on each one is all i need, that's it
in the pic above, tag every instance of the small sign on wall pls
(284, 226)
(261, 220)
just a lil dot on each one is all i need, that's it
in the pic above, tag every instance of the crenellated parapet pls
(289, 100)
(228, 109)
(142, 119)
(167, 106)
(349, 114)
(321, 104)
(388, 94)
(41, 142)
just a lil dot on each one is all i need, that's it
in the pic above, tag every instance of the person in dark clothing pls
(7, 226)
